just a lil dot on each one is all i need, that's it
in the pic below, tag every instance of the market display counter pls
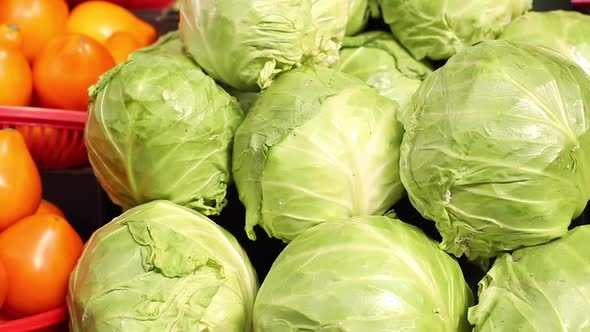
(88, 207)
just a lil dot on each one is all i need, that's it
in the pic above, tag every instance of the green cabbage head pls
(566, 32)
(246, 43)
(437, 29)
(497, 148)
(159, 128)
(162, 267)
(317, 145)
(376, 58)
(363, 274)
(542, 288)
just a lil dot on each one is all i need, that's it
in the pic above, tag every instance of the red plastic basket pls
(51, 321)
(55, 137)
(581, 3)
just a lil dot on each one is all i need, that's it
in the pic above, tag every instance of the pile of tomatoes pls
(50, 55)
(38, 247)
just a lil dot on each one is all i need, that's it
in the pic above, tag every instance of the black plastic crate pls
(79, 195)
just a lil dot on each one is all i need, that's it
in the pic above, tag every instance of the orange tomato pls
(20, 182)
(66, 67)
(16, 86)
(121, 44)
(39, 21)
(101, 19)
(39, 253)
(11, 36)
(47, 207)
(3, 284)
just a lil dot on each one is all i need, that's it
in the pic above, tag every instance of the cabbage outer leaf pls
(497, 148)
(542, 288)
(364, 274)
(159, 128)
(565, 32)
(437, 29)
(317, 145)
(161, 267)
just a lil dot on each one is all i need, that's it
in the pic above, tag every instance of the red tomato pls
(82, 58)
(39, 253)
(38, 21)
